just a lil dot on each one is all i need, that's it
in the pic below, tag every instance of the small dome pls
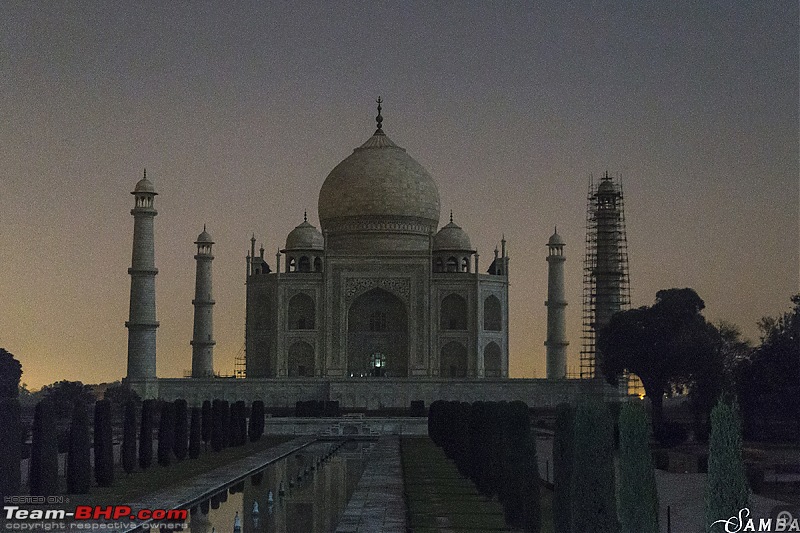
(204, 238)
(305, 237)
(606, 186)
(555, 240)
(451, 237)
(144, 185)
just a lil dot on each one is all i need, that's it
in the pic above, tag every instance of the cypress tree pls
(166, 434)
(43, 477)
(256, 428)
(79, 462)
(638, 497)
(594, 506)
(103, 444)
(562, 469)
(726, 485)
(226, 424)
(10, 447)
(195, 433)
(206, 424)
(180, 446)
(217, 422)
(241, 423)
(129, 437)
(146, 434)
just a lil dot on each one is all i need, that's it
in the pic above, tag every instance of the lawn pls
(439, 498)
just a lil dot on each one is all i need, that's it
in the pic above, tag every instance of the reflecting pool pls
(305, 492)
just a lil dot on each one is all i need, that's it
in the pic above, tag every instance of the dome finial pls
(305, 215)
(379, 118)
(204, 227)
(451, 216)
(145, 174)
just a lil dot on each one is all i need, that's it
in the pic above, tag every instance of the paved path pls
(205, 485)
(377, 505)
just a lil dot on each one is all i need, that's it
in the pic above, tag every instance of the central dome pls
(379, 187)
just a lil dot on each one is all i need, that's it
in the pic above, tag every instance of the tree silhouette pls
(667, 344)
(10, 374)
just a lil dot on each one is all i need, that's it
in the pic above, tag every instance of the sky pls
(240, 110)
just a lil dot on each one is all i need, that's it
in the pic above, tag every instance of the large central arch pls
(377, 335)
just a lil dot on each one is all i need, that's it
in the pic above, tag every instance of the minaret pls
(556, 307)
(142, 322)
(203, 338)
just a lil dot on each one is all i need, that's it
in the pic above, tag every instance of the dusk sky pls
(239, 110)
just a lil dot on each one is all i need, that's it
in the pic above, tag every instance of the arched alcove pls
(453, 313)
(301, 360)
(301, 312)
(377, 323)
(492, 315)
(491, 361)
(453, 360)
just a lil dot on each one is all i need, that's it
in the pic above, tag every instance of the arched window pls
(454, 313)
(438, 265)
(452, 264)
(301, 360)
(305, 264)
(491, 361)
(492, 317)
(291, 265)
(301, 312)
(464, 265)
(453, 362)
(317, 264)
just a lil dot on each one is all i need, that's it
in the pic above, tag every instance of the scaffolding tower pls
(606, 281)
(240, 364)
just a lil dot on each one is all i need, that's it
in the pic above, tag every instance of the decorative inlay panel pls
(356, 286)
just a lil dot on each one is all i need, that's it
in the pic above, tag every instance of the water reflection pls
(305, 492)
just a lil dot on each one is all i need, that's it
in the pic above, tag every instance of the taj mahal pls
(378, 307)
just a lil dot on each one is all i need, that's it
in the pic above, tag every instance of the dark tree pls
(166, 434)
(64, 394)
(594, 505)
(217, 425)
(120, 395)
(667, 344)
(716, 376)
(241, 423)
(146, 434)
(129, 437)
(195, 433)
(726, 485)
(103, 444)
(79, 462)
(206, 422)
(10, 447)
(638, 497)
(43, 477)
(562, 468)
(181, 429)
(256, 429)
(768, 380)
(226, 424)
(10, 374)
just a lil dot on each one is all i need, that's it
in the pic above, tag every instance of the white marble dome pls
(451, 237)
(379, 186)
(305, 237)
